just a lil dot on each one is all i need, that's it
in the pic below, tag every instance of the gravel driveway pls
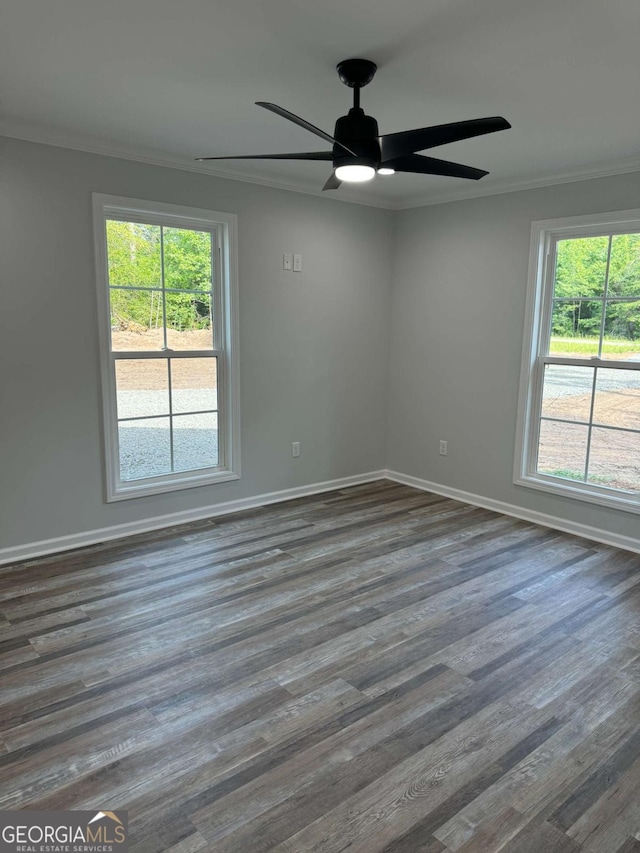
(565, 380)
(145, 445)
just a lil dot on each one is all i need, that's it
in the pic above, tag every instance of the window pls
(168, 337)
(579, 418)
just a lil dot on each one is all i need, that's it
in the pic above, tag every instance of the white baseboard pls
(583, 530)
(31, 550)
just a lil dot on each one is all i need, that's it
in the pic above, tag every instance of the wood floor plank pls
(493, 833)
(631, 845)
(376, 669)
(541, 836)
(389, 807)
(613, 817)
(192, 844)
(550, 769)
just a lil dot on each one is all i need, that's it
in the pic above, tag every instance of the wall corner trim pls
(45, 547)
(616, 540)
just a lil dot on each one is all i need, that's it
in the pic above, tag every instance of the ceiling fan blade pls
(303, 155)
(274, 108)
(409, 141)
(333, 183)
(418, 164)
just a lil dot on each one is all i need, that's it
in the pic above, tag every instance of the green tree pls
(581, 271)
(137, 255)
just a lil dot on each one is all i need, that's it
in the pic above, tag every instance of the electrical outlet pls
(444, 447)
(287, 261)
(297, 263)
(295, 449)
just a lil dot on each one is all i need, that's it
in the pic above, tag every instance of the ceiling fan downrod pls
(356, 73)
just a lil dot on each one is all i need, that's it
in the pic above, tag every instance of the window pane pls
(194, 384)
(133, 250)
(145, 448)
(581, 266)
(562, 451)
(622, 330)
(195, 442)
(624, 271)
(575, 327)
(187, 259)
(618, 398)
(142, 387)
(614, 460)
(567, 392)
(189, 321)
(136, 320)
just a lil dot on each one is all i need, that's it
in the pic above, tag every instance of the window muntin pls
(170, 382)
(580, 422)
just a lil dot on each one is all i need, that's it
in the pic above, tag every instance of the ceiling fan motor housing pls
(359, 132)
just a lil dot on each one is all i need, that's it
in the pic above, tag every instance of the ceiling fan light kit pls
(355, 173)
(358, 152)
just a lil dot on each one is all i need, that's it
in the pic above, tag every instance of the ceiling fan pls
(359, 152)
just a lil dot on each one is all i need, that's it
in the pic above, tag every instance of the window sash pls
(591, 424)
(168, 356)
(549, 285)
(217, 326)
(540, 295)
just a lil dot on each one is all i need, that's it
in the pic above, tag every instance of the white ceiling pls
(171, 80)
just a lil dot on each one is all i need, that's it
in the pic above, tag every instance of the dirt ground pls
(615, 456)
(612, 408)
(151, 375)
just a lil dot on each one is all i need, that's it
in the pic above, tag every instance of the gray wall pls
(313, 345)
(415, 316)
(457, 322)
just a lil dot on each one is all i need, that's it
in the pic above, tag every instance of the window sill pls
(139, 488)
(628, 502)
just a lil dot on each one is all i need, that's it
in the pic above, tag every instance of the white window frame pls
(544, 237)
(223, 227)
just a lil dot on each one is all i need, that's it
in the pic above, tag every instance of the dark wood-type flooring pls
(374, 669)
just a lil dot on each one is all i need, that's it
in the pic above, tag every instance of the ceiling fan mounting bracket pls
(356, 73)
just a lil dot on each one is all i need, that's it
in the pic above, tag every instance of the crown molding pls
(584, 173)
(91, 145)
